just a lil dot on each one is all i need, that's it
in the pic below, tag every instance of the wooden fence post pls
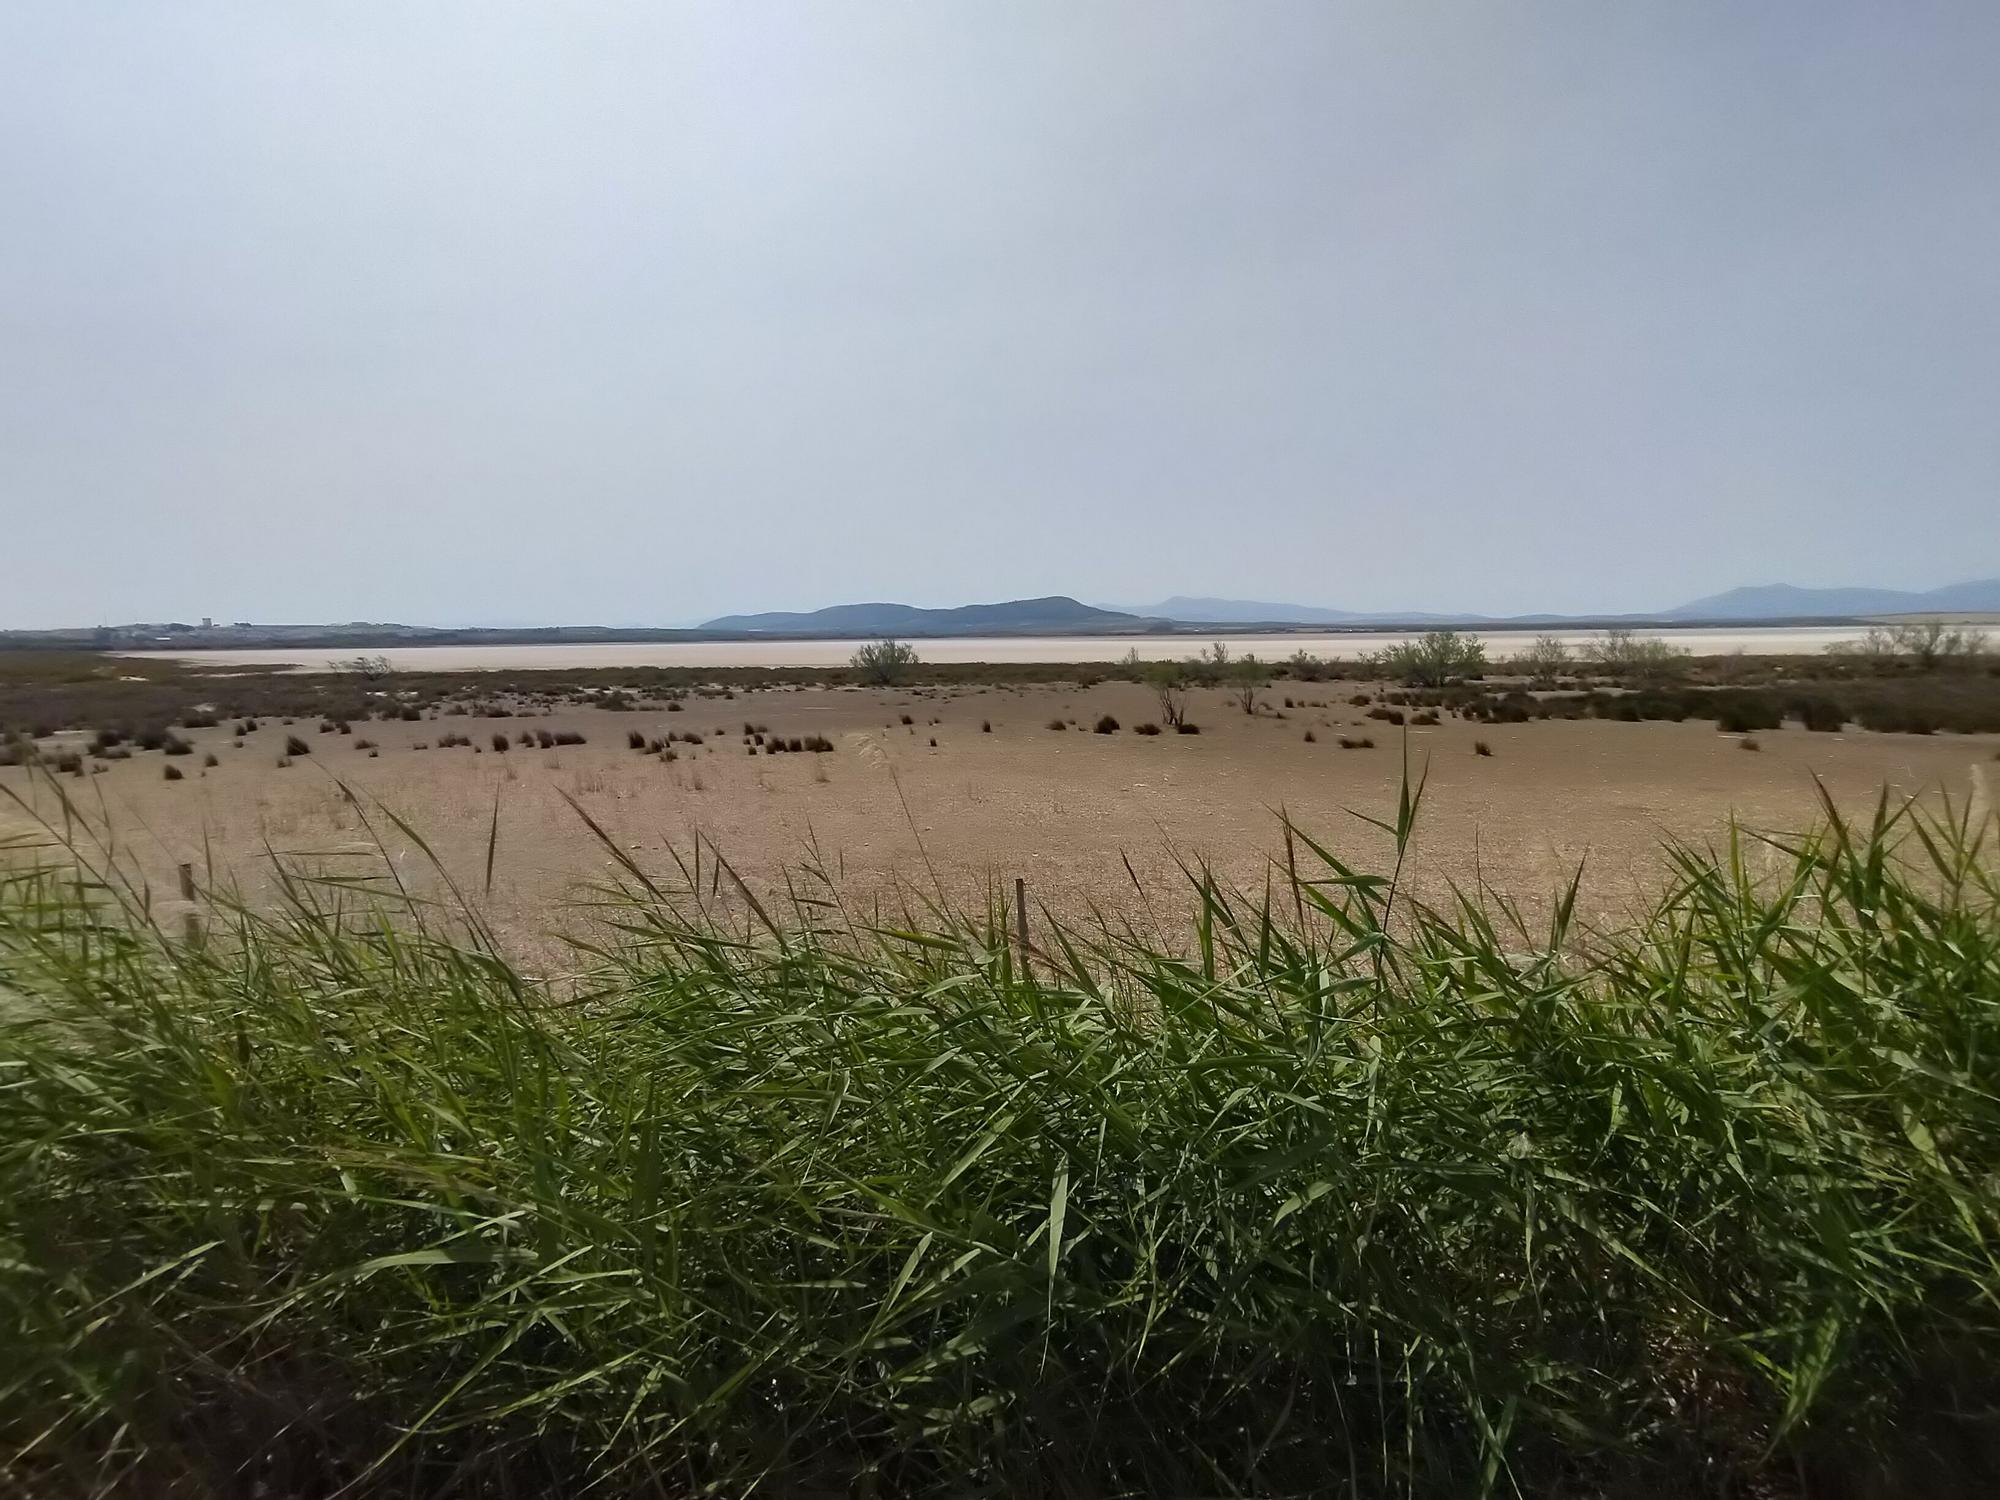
(1021, 919)
(190, 920)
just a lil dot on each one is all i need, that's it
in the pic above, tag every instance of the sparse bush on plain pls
(1170, 688)
(884, 663)
(1431, 660)
(294, 746)
(1105, 725)
(1544, 660)
(1624, 652)
(1740, 713)
(1929, 643)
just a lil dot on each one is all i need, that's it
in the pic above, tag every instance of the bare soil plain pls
(975, 790)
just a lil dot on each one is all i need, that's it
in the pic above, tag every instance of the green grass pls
(1345, 1195)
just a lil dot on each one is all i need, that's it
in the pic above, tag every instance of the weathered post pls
(1021, 919)
(190, 921)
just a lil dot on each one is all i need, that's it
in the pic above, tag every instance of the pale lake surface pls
(1500, 644)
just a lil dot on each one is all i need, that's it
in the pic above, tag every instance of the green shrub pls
(1432, 659)
(1741, 713)
(884, 663)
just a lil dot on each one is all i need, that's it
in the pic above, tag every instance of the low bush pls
(1740, 713)
(294, 746)
(1105, 725)
(1146, 729)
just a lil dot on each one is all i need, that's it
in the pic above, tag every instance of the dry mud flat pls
(944, 802)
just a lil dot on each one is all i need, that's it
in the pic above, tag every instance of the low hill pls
(1053, 614)
(1183, 609)
(1780, 601)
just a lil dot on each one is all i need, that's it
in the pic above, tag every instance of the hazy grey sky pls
(642, 312)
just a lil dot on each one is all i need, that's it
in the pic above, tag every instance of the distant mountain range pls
(1776, 601)
(1056, 614)
(1203, 611)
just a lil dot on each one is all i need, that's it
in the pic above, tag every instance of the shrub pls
(1821, 715)
(1184, 727)
(1170, 688)
(294, 746)
(1105, 725)
(1311, 738)
(884, 663)
(1432, 659)
(634, 739)
(209, 760)
(1362, 743)
(1306, 667)
(364, 744)
(1427, 719)
(1746, 743)
(171, 773)
(173, 744)
(1146, 729)
(1386, 715)
(569, 737)
(1740, 713)
(1057, 724)
(985, 726)
(500, 743)
(1624, 652)
(1929, 643)
(1544, 660)
(1480, 747)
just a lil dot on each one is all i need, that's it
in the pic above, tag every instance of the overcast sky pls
(622, 313)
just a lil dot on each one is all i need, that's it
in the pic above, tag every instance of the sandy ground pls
(1065, 810)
